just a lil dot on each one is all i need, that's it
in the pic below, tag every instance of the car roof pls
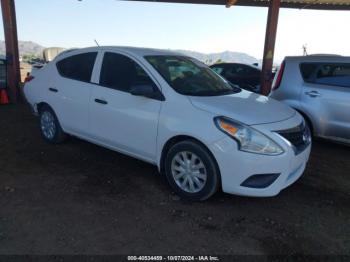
(318, 58)
(138, 51)
(218, 64)
(229, 64)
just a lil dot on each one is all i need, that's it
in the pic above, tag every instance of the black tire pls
(308, 122)
(58, 136)
(212, 172)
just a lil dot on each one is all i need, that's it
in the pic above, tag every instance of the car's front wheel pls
(50, 128)
(191, 171)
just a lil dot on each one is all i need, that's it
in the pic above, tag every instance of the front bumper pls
(237, 166)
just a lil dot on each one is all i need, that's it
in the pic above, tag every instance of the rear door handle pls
(100, 101)
(313, 93)
(53, 90)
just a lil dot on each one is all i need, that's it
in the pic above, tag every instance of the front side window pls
(333, 74)
(188, 76)
(77, 67)
(121, 73)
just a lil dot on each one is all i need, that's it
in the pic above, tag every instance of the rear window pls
(77, 67)
(241, 70)
(217, 69)
(333, 74)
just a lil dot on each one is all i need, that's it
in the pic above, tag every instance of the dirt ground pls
(78, 198)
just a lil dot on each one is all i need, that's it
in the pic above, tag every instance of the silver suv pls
(318, 86)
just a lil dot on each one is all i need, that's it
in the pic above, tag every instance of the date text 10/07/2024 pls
(173, 258)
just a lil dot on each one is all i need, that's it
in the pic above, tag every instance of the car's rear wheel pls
(191, 171)
(50, 128)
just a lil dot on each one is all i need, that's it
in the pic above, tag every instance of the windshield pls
(190, 77)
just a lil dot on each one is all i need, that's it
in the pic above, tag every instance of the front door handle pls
(313, 93)
(53, 90)
(100, 101)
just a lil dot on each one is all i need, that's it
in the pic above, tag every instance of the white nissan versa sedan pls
(174, 112)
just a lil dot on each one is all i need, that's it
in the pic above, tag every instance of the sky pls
(203, 28)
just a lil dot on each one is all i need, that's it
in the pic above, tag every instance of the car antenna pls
(305, 49)
(96, 43)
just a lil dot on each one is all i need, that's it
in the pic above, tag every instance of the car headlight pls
(249, 139)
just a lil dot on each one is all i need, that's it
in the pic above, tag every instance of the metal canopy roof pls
(301, 4)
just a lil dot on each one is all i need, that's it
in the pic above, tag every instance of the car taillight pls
(28, 79)
(279, 76)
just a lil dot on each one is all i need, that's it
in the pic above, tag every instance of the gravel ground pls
(78, 198)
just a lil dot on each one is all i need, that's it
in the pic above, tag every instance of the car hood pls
(246, 107)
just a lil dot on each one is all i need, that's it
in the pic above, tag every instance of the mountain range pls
(25, 47)
(29, 47)
(226, 56)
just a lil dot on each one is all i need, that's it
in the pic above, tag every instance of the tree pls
(219, 61)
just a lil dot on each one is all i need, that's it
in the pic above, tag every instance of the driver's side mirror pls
(146, 91)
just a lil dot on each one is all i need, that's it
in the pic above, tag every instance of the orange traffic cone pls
(4, 100)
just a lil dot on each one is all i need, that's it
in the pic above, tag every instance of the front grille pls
(299, 137)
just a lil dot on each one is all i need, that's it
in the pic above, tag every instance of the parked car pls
(36, 61)
(245, 76)
(317, 86)
(176, 113)
(3, 72)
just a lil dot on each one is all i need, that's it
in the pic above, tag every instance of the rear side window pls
(333, 74)
(120, 72)
(77, 67)
(307, 70)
